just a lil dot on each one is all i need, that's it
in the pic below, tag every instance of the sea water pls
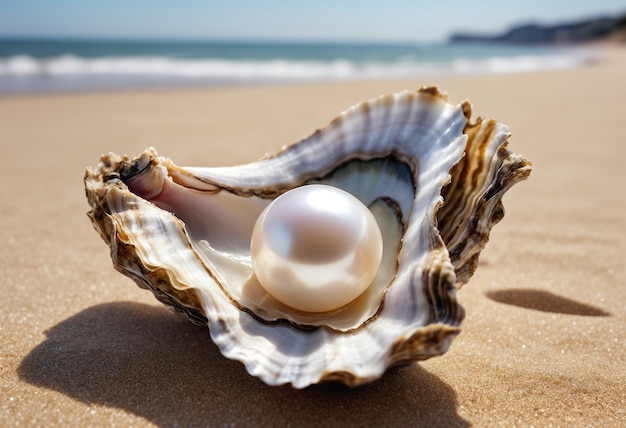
(44, 65)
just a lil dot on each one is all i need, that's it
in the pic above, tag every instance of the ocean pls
(48, 65)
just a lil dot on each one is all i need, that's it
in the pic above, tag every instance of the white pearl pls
(316, 248)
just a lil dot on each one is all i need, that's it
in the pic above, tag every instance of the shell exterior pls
(433, 180)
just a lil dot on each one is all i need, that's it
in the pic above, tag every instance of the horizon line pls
(205, 39)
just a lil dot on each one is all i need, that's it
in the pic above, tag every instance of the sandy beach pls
(544, 339)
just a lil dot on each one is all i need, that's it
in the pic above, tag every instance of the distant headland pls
(590, 30)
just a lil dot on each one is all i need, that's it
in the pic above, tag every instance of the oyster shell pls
(433, 180)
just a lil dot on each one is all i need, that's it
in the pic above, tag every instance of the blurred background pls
(68, 45)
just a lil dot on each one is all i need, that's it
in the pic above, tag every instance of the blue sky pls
(366, 20)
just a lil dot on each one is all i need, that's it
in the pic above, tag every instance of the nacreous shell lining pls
(384, 185)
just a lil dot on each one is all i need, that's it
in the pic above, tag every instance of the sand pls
(543, 342)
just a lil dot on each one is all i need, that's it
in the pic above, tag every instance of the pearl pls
(316, 248)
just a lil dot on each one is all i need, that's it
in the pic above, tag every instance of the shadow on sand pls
(545, 301)
(157, 365)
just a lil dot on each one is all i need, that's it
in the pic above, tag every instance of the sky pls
(328, 20)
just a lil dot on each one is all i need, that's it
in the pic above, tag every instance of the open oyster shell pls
(433, 180)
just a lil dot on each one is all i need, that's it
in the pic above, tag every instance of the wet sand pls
(543, 342)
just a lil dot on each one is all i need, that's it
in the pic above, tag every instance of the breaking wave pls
(44, 71)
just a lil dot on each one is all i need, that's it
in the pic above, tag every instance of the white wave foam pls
(274, 70)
